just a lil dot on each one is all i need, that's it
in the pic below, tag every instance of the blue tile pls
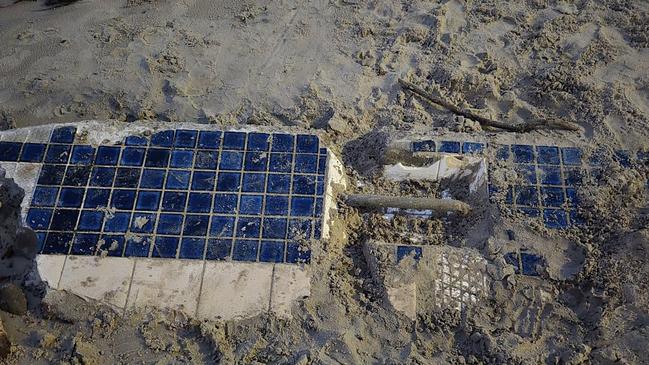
(136, 141)
(143, 222)
(550, 175)
(40, 241)
(33, 152)
(234, 140)
(10, 151)
(301, 206)
(118, 222)
(199, 203)
(276, 205)
(530, 212)
(203, 180)
(63, 135)
(527, 195)
(156, 157)
(623, 158)
(102, 176)
(552, 197)
(222, 226)
(512, 259)
(185, 138)
(531, 264)
(123, 199)
(228, 181)
(271, 251)
(82, 155)
(472, 147)
(245, 250)
(196, 225)
(55, 154)
(107, 155)
(127, 177)
(77, 176)
(407, 251)
(250, 204)
(320, 186)
(169, 223)
(148, 200)
(182, 158)
(90, 220)
(191, 248)
(282, 143)
(209, 139)
(64, 219)
(218, 249)
(572, 198)
(138, 246)
(96, 198)
(275, 228)
(318, 207)
(132, 156)
(152, 179)
(317, 229)
(225, 203)
(323, 151)
(206, 160)
(548, 155)
(178, 180)
(258, 141)
(571, 155)
(304, 184)
(527, 173)
(576, 219)
(253, 183)
(231, 160)
(300, 229)
(573, 176)
(322, 165)
(44, 196)
(278, 183)
(281, 162)
(248, 227)
(71, 197)
(423, 146)
(163, 139)
(306, 163)
(523, 153)
(51, 175)
(449, 147)
(256, 161)
(297, 254)
(58, 243)
(555, 218)
(112, 245)
(502, 152)
(39, 218)
(307, 144)
(173, 201)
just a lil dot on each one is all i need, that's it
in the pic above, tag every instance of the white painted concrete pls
(290, 284)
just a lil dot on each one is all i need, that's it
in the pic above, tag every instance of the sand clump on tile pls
(332, 67)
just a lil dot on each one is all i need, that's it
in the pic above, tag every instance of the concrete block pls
(50, 268)
(290, 284)
(170, 284)
(106, 279)
(235, 290)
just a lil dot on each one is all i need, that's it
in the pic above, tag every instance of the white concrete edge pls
(334, 178)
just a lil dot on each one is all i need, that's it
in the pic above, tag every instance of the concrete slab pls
(290, 284)
(101, 278)
(235, 290)
(169, 284)
(50, 268)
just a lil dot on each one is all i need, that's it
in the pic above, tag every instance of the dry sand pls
(333, 66)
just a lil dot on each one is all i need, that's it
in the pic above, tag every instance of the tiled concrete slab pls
(235, 290)
(290, 284)
(170, 284)
(106, 279)
(50, 268)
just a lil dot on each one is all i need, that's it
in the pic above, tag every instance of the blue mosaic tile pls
(102, 176)
(178, 180)
(32, 152)
(63, 135)
(527, 173)
(256, 161)
(251, 204)
(82, 155)
(278, 183)
(552, 196)
(423, 146)
(199, 203)
(304, 184)
(58, 243)
(503, 152)
(450, 147)
(71, 197)
(296, 254)
(45, 196)
(306, 163)
(300, 229)
(163, 139)
(531, 264)
(192, 248)
(555, 218)
(169, 224)
(132, 156)
(253, 183)
(153, 179)
(322, 164)
(96, 198)
(90, 220)
(523, 153)
(64, 219)
(55, 154)
(302, 206)
(276, 205)
(143, 222)
(196, 225)
(573, 176)
(181, 159)
(186, 138)
(173, 201)
(39, 219)
(107, 155)
(136, 141)
(225, 203)
(258, 141)
(51, 175)
(512, 259)
(571, 155)
(275, 228)
(550, 175)
(234, 141)
(206, 160)
(117, 222)
(138, 246)
(228, 181)
(271, 251)
(127, 177)
(282, 143)
(123, 199)
(112, 245)
(548, 155)
(245, 250)
(530, 212)
(222, 226)
(202, 180)
(307, 144)
(623, 158)
(231, 160)
(77, 176)
(472, 147)
(248, 227)
(218, 249)
(209, 139)
(527, 195)
(405, 251)
(281, 162)
(148, 200)
(156, 157)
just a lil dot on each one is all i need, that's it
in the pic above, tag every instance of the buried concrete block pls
(290, 284)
